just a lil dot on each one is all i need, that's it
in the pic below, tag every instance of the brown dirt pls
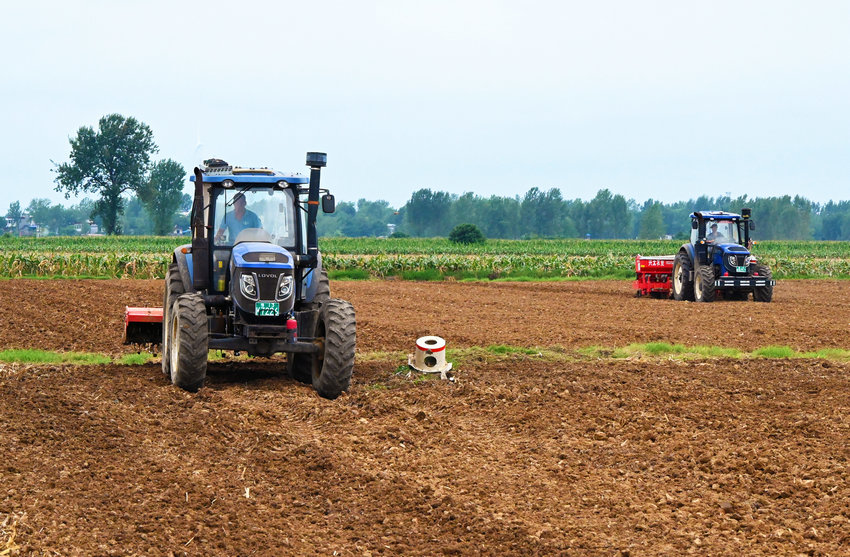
(87, 315)
(519, 456)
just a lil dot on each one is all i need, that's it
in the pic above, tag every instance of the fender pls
(689, 250)
(309, 284)
(184, 265)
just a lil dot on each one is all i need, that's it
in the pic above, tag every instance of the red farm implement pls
(654, 273)
(142, 325)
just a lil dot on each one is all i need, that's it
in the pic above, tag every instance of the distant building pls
(24, 227)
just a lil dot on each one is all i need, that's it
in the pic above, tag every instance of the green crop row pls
(147, 257)
(146, 265)
(436, 246)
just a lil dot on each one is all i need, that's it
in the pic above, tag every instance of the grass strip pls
(470, 355)
(27, 356)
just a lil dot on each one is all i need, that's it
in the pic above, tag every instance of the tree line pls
(548, 214)
(537, 214)
(139, 196)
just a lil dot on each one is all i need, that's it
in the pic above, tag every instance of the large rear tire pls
(329, 371)
(173, 288)
(300, 366)
(683, 286)
(763, 293)
(189, 342)
(704, 290)
(334, 363)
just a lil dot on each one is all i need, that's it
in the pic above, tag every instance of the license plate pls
(741, 269)
(267, 309)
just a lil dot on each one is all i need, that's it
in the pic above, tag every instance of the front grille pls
(268, 285)
(735, 260)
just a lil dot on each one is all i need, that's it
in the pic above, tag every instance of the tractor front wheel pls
(683, 286)
(704, 290)
(763, 293)
(189, 342)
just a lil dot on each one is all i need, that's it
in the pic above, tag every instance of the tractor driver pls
(714, 235)
(237, 220)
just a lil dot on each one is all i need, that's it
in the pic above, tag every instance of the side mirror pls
(328, 203)
(694, 224)
(752, 225)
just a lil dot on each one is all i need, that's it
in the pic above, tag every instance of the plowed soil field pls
(520, 455)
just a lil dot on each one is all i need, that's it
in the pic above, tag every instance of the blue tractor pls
(252, 279)
(717, 260)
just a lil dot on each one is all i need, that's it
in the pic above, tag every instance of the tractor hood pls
(261, 255)
(732, 247)
(734, 259)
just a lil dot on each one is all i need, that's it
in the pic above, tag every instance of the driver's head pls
(239, 200)
(714, 227)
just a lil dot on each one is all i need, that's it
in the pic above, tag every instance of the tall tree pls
(427, 212)
(651, 221)
(162, 194)
(108, 161)
(15, 213)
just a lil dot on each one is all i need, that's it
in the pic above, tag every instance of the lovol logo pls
(266, 275)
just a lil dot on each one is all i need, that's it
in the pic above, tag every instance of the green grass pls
(503, 349)
(135, 359)
(26, 356)
(349, 274)
(476, 355)
(776, 352)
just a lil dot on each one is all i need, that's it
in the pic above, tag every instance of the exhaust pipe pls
(316, 161)
(200, 247)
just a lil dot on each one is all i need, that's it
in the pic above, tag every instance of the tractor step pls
(142, 325)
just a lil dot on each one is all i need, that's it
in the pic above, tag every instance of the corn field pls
(147, 257)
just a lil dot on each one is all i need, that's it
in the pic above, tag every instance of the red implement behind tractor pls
(142, 325)
(653, 275)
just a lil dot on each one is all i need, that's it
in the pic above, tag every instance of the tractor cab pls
(720, 238)
(251, 210)
(720, 227)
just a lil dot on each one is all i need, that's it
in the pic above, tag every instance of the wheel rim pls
(175, 345)
(677, 278)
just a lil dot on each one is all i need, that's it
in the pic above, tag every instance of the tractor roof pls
(715, 215)
(216, 174)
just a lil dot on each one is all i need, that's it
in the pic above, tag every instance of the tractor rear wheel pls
(329, 371)
(335, 361)
(683, 286)
(704, 290)
(189, 342)
(173, 288)
(300, 366)
(763, 293)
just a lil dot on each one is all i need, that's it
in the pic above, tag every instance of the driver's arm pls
(220, 234)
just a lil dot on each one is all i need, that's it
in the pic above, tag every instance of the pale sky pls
(661, 99)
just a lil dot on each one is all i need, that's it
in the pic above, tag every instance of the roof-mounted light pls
(227, 184)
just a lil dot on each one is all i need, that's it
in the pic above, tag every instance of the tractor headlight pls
(248, 286)
(733, 261)
(284, 287)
